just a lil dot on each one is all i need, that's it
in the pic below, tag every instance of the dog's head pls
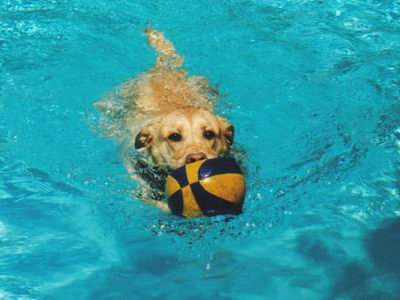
(185, 135)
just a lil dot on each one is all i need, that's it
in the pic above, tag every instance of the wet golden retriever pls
(167, 116)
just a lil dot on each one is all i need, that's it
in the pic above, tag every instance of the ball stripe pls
(212, 205)
(175, 203)
(192, 171)
(222, 187)
(216, 166)
(172, 186)
(191, 208)
(180, 176)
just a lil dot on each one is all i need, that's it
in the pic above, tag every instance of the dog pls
(164, 119)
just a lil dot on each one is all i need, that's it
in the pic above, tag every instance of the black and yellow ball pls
(206, 188)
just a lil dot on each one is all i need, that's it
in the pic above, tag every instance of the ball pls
(206, 188)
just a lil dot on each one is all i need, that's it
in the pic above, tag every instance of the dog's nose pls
(195, 157)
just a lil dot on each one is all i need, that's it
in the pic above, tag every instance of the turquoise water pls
(313, 88)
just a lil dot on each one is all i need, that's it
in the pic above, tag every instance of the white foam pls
(3, 230)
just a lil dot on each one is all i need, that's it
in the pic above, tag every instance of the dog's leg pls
(170, 58)
(143, 193)
(160, 204)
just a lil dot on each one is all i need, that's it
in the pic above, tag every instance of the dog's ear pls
(228, 131)
(146, 136)
(143, 139)
(229, 134)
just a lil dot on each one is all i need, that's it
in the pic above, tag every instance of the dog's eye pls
(175, 137)
(209, 134)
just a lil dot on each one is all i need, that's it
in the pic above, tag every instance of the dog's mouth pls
(193, 157)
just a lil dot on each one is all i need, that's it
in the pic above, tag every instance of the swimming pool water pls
(313, 89)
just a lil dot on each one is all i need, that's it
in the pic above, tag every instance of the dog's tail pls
(168, 56)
